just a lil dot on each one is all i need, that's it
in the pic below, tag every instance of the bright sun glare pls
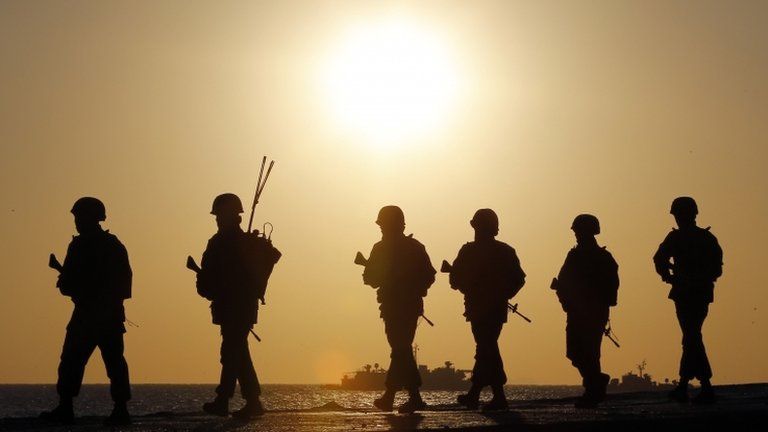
(391, 82)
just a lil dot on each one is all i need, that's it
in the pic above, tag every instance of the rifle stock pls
(360, 260)
(54, 263)
(192, 265)
(446, 267)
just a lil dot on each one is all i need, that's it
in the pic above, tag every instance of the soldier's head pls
(88, 212)
(684, 209)
(486, 223)
(391, 220)
(585, 226)
(227, 209)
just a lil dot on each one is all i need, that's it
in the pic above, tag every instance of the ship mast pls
(641, 368)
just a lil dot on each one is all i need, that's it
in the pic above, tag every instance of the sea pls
(28, 400)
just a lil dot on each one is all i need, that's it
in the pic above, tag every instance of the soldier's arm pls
(611, 280)
(427, 271)
(373, 274)
(717, 259)
(516, 274)
(661, 259)
(121, 275)
(564, 285)
(66, 281)
(204, 282)
(458, 275)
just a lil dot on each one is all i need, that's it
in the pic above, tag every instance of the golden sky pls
(539, 110)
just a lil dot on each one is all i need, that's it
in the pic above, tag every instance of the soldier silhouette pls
(488, 273)
(400, 270)
(587, 287)
(233, 276)
(690, 259)
(96, 275)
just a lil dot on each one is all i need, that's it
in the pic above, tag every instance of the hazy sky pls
(539, 110)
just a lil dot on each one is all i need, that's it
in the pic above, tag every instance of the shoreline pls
(739, 407)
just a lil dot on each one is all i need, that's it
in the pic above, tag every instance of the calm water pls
(29, 400)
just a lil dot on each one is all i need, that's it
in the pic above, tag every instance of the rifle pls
(447, 268)
(192, 265)
(362, 261)
(54, 263)
(608, 332)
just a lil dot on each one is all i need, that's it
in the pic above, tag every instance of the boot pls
(63, 413)
(414, 403)
(601, 386)
(586, 401)
(469, 400)
(119, 416)
(496, 404)
(251, 410)
(706, 395)
(385, 402)
(219, 407)
(680, 393)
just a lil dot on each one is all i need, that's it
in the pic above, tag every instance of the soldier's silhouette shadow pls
(404, 422)
(508, 417)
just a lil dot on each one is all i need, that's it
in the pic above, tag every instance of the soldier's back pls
(589, 276)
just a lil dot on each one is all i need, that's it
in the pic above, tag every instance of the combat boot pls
(251, 410)
(601, 387)
(119, 416)
(63, 413)
(706, 396)
(219, 407)
(414, 403)
(679, 394)
(496, 404)
(469, 400)
(586, 401)
(385, 402)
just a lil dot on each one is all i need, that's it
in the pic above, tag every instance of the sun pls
(391, 82)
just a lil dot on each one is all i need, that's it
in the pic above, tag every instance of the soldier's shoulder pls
(607, 255)
(112, 238)
(409, 239)
(708, 235)
(604, 250)
(215, 239)
(672, 235)
(503, 246)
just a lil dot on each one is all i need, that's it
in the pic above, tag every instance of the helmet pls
(587, 224)
(89, 208)
(485, 219)
(390, 215)
(684, 206)
(227, 203)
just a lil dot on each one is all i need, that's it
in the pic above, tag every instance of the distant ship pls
(440, 378)
(638, 382)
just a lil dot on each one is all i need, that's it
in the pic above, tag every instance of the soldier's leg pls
(694, 362)
(497, 377)
(77, 349)
(228, 359)
(489, 367)
(412, 376)
(403, 371)
(479, 371)
(112, 347)
(249, 382)
(574, 345)
(594, 380)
